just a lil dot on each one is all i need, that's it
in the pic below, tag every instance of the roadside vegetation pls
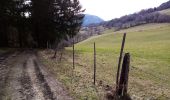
(149, 71)
(2, 51)
(5, 50)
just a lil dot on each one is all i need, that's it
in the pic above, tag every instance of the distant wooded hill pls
(91, 19)
(151, 15)
(159, 14)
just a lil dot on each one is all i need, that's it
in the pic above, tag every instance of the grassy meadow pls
(166, 11)
(149, 46)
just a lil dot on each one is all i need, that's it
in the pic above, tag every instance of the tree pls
(39, 21)
(54, 20)
(42, 21)
(23, 21)
(6, 15)
(13, 22)
(68, 18)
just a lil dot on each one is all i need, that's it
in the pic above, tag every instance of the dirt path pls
(23, 77)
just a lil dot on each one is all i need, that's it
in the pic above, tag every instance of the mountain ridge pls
(91, 19)
(150, 15)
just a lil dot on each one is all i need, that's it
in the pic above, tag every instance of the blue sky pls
(109, 9)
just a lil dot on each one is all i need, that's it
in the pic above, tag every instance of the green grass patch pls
(166, 11)
(149, 46)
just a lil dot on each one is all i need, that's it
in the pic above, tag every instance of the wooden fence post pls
(123, 82)
(94, 63)
(61, 55)
(120, 59)
(73, 54)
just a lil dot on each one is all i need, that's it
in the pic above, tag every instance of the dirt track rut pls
(23, 77)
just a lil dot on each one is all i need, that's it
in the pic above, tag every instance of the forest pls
(36, 23)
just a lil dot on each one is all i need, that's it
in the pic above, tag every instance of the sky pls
(110, 9)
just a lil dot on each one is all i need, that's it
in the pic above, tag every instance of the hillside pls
(149, 69)
(91, 19)
(149, 48)
(160, 14)
(166, 12)
(145, 16)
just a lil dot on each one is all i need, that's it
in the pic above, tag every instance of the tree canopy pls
(33, 23)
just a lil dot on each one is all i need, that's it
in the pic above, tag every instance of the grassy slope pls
(149, 70)
(166, 11)
(148, 45)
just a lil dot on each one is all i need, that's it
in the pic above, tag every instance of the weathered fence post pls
(55, 52)
(61, 55)
(123, 82)
(120, 59)
(94, 63)
(73, 54)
